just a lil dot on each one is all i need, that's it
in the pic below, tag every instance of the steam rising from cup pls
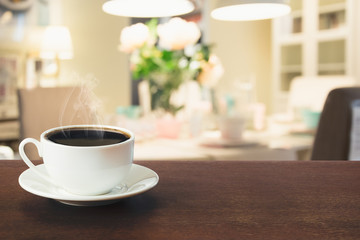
(82, 106)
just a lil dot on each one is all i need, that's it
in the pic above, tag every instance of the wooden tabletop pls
(200, 200)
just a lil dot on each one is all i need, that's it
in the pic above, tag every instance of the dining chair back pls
(44, 108)
(333, 137)
(317, 89)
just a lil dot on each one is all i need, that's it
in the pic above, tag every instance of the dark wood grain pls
(200, 200)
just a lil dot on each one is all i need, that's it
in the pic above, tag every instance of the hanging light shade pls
(148, 8)
(248, 10)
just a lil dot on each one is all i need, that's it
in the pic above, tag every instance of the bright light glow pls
(250, 11)
(56, 43)
(147, 8)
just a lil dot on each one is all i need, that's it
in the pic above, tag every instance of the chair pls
(44, 108)
(332, 139)
(306, 93)
(317, 89)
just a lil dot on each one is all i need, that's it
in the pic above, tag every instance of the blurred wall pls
(245, 51)
(95, 37)
(243, 47)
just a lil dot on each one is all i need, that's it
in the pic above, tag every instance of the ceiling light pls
(247, 10)
(147, 8)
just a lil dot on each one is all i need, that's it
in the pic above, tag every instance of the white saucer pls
(140, 179)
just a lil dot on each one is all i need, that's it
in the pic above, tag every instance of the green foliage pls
(165, 70)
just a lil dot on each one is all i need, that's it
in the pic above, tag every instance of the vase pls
(144, 97)
(154, 97)
(168, 126)
(180, 106)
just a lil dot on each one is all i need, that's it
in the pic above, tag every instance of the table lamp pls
(56, 45)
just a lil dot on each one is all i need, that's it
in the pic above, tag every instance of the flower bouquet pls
(167, 55)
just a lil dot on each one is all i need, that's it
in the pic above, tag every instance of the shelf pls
(328, 29)
(291, 23)
(332, 16)
(333, 34)
(331, 73)
(291, 39)
(332, 67)
(291, 68)
(9, 130)
(322, 35)
(329, 8)
(8, 112)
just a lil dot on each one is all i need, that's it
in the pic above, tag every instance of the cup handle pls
(28, 161)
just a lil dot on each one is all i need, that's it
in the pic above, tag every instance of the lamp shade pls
(147, 8)
(56, 43)
(248, 10)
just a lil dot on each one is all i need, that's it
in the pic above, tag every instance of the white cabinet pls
(317, 38)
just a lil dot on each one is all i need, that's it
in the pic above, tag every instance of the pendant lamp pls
(248, 10)
(148, 8)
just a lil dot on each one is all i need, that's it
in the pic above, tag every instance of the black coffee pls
(87, 137)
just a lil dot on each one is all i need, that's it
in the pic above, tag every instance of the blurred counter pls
(260, 146)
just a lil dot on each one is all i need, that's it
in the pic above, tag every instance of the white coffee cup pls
(232, 127)
(83, 170)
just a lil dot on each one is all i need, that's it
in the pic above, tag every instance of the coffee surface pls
(87, 137)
